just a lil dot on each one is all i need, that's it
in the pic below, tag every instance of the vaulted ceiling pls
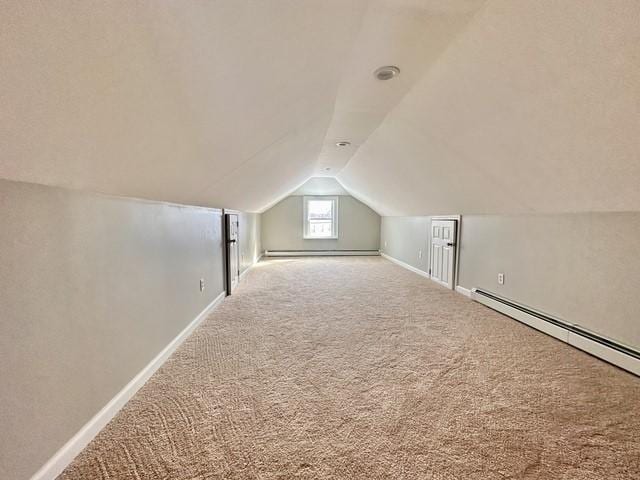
(534, 107)
(500, 106)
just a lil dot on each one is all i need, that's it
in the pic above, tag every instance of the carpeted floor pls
(354, 368)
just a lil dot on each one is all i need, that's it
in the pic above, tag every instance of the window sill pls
(319, 238)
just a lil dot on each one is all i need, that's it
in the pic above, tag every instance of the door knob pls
(451, 244)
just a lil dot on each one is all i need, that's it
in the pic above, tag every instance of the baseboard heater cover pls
(314, 253)
(604, 348)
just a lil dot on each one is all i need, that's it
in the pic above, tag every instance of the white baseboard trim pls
(564, 334)
(321, 253)
(250, 267)
(406, 265)
(464, 291)
(460, 289)
(63, 457)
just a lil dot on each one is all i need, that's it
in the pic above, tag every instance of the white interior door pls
(234, 251)
(443, 253)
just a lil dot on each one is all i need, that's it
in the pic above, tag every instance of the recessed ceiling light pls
(343, 144)
(387, 72)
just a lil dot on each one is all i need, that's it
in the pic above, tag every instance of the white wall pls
(358, 227)
(582, 268)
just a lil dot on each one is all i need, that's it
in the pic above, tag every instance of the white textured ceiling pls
(534, 107)
(222, 103)
(321, 186)
(501, 106)
(409, 34)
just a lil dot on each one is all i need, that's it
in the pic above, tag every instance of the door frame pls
(456, 256)
(226, 249)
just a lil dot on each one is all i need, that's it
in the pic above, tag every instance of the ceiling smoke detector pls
(387, 72)
(343, 144)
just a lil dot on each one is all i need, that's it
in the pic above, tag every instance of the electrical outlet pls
(419, 253)
(202, 284)
(385, 244)
(501, 279)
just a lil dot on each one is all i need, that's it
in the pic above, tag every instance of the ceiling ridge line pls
(258, 152)
(472, 17)
(340, 81)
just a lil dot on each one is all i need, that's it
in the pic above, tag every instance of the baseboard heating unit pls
(314, 253)
(611, 351)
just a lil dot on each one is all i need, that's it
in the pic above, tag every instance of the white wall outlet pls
(385, 244)
(419, 253)
(501, 279)
(202, 284)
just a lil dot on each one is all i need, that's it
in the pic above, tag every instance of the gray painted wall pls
(582, 268)
(358, 227)
(404, 237)
(250, 239)
(92, 288)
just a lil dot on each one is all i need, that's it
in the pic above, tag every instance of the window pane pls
(320, 228)
(320, 219)
(319, 210)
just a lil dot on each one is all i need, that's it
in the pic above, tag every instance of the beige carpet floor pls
(353, 368)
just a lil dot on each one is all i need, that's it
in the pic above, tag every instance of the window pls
(320, 217)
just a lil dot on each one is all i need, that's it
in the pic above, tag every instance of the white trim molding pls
(534, 322)
(460, 289)
(446, 217)
(406, 265)
(571, 334)
(320, 253)
(612, 356)
(464, 291)
(250, 267)
(63, 457)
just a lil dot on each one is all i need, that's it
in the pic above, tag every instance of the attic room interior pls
(320, 239)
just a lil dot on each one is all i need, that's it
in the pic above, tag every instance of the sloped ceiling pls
(501, 106)
(410, 35)
(321, 186)
(534, 107)
(220, 103)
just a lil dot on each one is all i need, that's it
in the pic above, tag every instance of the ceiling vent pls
(387, 72)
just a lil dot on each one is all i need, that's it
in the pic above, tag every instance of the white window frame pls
(334, 216)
